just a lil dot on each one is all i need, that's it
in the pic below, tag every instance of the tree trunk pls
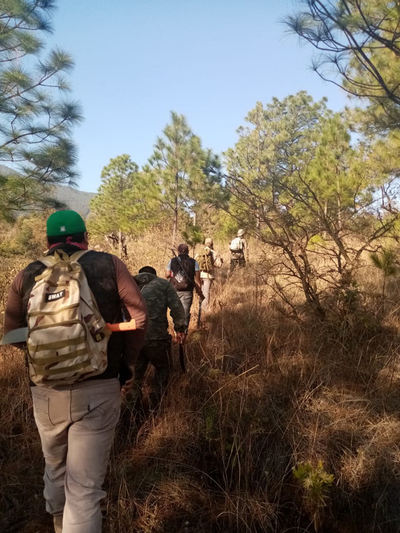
(339, 203)
(324, 233)
(121, 251)
(175, 228)
(258, 219)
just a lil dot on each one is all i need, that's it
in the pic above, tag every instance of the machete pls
(16, 336)
(199, 315)
(182, 357)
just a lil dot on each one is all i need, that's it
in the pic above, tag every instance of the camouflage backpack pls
(206, 261)
(67, 336)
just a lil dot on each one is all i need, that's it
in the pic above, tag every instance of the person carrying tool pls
(159, 296)
(184, 275)
(208, 260)
(65, 300)
(239, 252)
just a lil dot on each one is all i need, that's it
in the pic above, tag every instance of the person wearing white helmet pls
(239, 252)
(208, 259)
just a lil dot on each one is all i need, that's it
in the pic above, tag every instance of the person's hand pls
(180, 337)
(127, 386)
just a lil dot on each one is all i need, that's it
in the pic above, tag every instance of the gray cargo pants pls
(76, 424)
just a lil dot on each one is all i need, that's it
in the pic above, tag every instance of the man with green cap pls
(76, 421)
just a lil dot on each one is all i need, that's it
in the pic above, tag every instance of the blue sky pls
(212, 60)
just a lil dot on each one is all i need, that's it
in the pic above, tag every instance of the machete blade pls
(15, 336)
(182, 358)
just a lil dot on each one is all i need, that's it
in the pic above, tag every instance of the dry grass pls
(262, 394)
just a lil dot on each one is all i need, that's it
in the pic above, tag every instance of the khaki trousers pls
(76, 424)
(206, 289)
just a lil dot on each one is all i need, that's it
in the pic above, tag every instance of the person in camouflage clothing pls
(159, 295)
(208, 259)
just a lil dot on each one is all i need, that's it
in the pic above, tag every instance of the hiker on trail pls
(159, 296)
(239, 252)
(208, 260)
(65, 299)
(184, 275)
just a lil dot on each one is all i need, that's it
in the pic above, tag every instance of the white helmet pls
(240, 233)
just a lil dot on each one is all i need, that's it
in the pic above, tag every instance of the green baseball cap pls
(64, 223)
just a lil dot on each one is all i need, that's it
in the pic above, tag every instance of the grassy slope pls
(262, 395)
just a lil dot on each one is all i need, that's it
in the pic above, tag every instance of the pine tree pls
(299, 184)
(127, 202)
(187, 175)
(360, 41)
(35, 118)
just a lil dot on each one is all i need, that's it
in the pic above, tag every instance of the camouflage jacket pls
(159, 295)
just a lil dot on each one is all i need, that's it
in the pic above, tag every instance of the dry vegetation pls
(264, 396)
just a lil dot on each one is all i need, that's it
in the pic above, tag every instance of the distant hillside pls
(72, 198)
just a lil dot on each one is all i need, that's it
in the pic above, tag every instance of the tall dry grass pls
(263, 395)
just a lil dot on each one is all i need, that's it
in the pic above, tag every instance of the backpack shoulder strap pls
(59, 255)
(77, 255)
(51, 260)
(48, 260)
